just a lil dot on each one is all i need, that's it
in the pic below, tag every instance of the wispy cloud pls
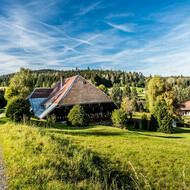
(120, 15)
(88, 9)
(43, 34)
(122, 27)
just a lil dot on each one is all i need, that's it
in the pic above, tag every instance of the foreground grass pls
(62, 157)
(37, 158)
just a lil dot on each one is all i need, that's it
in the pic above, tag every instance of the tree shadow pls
(181, 130)
(159, 136)
(88, 133)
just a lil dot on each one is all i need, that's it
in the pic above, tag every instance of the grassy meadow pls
(95, 157)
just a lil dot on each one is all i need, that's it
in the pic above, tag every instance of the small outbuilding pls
(68, 92)
(185, 108)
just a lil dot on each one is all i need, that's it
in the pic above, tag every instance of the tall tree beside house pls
(21, 84)
(156, 87)
(128, 106)
(163, 116)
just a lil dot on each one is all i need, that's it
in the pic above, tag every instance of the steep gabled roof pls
(59, 91)
(83, 92)
(40, 93)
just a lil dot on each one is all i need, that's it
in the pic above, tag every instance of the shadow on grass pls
(74, 131)
(165, 137)
(177, 130)
(90, 133)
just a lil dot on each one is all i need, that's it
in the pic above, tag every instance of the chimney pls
(62, 81)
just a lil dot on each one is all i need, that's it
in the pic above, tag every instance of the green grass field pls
(94, 157)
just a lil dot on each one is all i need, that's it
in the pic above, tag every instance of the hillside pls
(59, 156)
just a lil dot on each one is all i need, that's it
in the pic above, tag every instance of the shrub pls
(78, 117)
(51, 118)
(119, 118)
(136, 125)
(144, 122)
(18, 109)
(153, 125)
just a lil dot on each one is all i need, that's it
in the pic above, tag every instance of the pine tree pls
(153, 124)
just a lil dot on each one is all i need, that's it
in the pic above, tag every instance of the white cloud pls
(88, 9)
(122, 27)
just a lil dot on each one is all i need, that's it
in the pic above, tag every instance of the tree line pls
(47, 78)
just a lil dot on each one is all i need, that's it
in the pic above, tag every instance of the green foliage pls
(18, 109)
(136, 125)
(116, 94)
(51, 118)
(156, 87)
(153, 124)
(78, 117)
(128, 106)
(3, 102)
(134, 92)
(126, 91)
(163, 116)
(119, 118)
(11, 92)
(103, 88)
(166, 124)
(144, 122)
(21, 84)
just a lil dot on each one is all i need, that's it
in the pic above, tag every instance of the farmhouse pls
(185, 108)
(69, 92)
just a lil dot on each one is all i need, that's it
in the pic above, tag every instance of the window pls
(84, 82)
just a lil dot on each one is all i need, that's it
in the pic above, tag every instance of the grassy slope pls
(161, 159)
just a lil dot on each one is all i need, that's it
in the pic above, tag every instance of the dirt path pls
(3, 178)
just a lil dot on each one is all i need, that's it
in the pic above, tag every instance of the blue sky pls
(146, 36)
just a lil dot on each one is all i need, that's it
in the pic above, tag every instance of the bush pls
(136, 125)
(18, 109)
(78, 117)
(119, 118)
(51, 118)
(144, 122)
(153, 125)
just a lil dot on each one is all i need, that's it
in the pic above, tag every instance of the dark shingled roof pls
(41, 93)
